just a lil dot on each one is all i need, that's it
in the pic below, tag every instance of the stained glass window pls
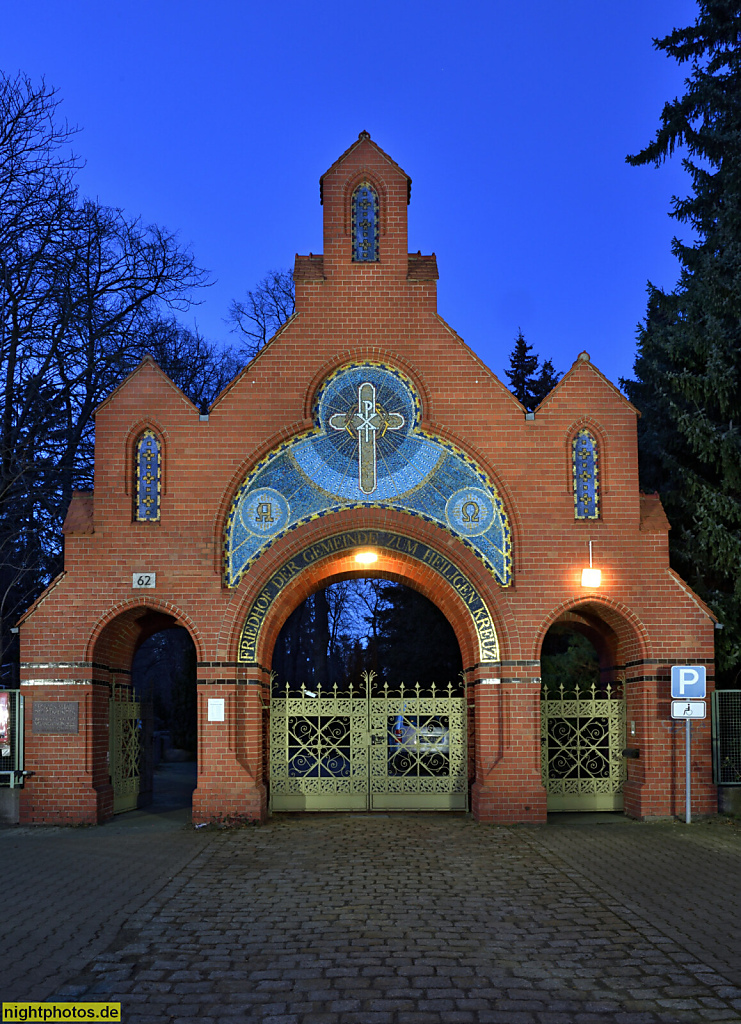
(365, 224)
(585, 467)
(148, 474)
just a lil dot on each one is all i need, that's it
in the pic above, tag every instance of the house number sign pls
(146, 580)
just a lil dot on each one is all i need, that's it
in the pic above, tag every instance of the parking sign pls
(688, 682)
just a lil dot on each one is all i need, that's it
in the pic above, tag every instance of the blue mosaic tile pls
(585, 471)
(364, 224)
(148, 478)
(366, 448)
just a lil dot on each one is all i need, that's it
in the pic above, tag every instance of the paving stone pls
(419, 918)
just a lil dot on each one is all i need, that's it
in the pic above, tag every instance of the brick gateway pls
(365, 422)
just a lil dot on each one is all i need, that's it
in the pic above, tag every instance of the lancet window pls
(585, 469)
(365, 224)
(148, 471)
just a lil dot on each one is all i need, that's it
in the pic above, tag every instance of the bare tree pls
(80, 285)
(199, 367)
(263, 311)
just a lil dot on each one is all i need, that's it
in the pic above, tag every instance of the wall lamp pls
(591, 577)
(366, 557)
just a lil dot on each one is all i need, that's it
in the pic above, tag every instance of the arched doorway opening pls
(164, 682)
(368, 703)
(582, 715)
(147, 657)
(366, 624)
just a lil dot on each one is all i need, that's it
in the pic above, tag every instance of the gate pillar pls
(508, 785)
(66, 745)
(231, 753)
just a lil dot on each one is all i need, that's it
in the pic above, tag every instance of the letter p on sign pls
(688, 682)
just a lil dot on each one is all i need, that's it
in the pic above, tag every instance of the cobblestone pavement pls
(688, 879)
(66, 892)
(404, 919)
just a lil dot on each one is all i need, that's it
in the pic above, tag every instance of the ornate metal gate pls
(582, 738)
(368, 748)
(124, 729)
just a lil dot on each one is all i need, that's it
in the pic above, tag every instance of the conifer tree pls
(688, 366)
(544, 383)
(523, 367)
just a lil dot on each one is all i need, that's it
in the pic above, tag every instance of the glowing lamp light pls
(591, 577)
(366, 557)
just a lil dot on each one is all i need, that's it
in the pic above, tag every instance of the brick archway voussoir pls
(614, 614)
(392, 565)
(124, 614)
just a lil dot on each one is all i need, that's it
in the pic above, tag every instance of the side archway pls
(138, 705)
(121, 631)
(590, 690)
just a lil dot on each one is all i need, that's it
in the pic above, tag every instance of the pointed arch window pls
(365, 224)
(585, 471)
(148, 478)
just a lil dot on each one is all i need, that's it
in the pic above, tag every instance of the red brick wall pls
(92, 621)
(70, 784)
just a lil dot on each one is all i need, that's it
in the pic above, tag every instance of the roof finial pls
(364, 135)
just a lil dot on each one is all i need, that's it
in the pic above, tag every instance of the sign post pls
(688, 771)
(688, 684)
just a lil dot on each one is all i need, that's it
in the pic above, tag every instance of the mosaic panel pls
(365, 224)
(367, 448)
(585, 470)
(148, 474)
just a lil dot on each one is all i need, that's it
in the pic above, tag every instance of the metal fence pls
(11, 738)
(727, 737)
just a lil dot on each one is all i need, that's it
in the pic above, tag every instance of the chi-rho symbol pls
(366, 421)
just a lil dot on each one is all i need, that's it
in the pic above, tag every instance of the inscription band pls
(475, 604)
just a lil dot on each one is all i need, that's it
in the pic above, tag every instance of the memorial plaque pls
(56, 717)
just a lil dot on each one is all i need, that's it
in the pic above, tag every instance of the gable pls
(584, 379)
(147, 375)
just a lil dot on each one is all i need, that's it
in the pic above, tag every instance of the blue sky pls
(513, 120)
